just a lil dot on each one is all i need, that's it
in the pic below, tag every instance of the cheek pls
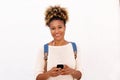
(52, 33)
(63, 31)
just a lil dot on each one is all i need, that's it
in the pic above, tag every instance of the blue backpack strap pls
(74, 49)
(46, 51)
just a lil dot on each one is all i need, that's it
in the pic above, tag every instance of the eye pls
(52, 28)
(60, 27)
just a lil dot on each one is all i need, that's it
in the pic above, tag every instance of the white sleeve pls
(39, 68)
(78, 59)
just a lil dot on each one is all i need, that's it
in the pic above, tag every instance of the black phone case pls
(60, 66)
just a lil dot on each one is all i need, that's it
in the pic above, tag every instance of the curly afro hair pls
(56, 13)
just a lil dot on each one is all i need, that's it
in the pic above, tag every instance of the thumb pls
(65, 66)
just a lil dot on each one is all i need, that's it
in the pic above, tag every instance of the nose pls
(56, 30)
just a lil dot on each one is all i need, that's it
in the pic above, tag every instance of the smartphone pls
(60, 66)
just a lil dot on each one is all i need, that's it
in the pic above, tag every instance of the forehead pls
(56, 23)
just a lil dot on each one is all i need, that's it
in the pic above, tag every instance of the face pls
(57, 29)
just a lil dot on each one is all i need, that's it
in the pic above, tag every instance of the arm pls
(51, 73)
(43, 76)
(76, 74)
(69, 71)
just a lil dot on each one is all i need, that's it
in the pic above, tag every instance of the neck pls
(59, 43)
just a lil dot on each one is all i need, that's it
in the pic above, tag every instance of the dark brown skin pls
(58, 71)
(51, 73)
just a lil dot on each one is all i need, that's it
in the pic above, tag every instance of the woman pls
(60, 50)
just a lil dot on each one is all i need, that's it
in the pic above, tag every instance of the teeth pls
(57, 35)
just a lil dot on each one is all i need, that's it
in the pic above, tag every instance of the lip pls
(57, 35)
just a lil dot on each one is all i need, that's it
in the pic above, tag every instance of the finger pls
(55, 74)
(63, 70)
(65, 66)
(64, 73)
(55, 69)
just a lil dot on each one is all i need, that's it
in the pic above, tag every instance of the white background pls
(92, 23)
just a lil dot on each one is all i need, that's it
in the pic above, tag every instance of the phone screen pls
(60, 66)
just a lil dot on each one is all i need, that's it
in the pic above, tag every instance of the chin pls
(57, 39)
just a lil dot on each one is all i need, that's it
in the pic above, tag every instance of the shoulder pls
(76, 43)
(49, 43)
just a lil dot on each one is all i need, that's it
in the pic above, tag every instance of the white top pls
(59, 55)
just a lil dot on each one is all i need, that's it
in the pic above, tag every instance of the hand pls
(66, 70)
(54, 72)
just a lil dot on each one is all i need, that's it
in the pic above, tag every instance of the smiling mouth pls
(57, 35)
